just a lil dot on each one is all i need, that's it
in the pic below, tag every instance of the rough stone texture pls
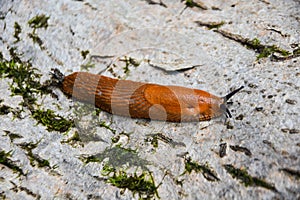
(163, 39)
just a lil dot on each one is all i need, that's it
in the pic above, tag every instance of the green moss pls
(296, 52)
(255, 43)
(26, 83)
(22, 189)
(191, 4)
(34, 160)
(142, 184)
(18, 30)
(6, 161)
(25, 79)
(87, 66)
(12, 136)
(153, 138)
(265, 50)
(36, 39)
(206, 171)
(52, 121)
(132, 61)
(246, 179)
(118, 157)
(39, 21)
(104, 125)
(129, 61)
(4, 109)
(216, 25)
(115, 139)
(74, 138)
(269, 50)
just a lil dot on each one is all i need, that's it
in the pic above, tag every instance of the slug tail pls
(57, 78)
(228, 96)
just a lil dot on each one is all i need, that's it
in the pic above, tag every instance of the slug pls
(144, 100)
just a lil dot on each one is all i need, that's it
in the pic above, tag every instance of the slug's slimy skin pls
(145, 100)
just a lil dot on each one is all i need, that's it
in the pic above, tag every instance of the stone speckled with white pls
(160, 35)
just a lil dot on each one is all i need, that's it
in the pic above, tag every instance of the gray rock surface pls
(169, 47)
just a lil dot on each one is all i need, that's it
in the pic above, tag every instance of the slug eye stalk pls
(225, 98)
(228, 96)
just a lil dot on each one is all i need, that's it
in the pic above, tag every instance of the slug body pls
(144, 100)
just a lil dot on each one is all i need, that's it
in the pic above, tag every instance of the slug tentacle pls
(228, 96)
(144, 100)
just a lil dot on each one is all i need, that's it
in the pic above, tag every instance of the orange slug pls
(144, 100)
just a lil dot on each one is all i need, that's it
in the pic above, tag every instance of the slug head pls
(223, 106)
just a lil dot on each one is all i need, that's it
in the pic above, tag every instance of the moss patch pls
(141, 184)
(39, 21)
(206, 171)
(246, 179)
(6, 161)
(18, 30)
(4, 109)
(26, 83)
(129, 61)
(52, 121)
(34, 159)
(295, 54)
(192, 4)
(25, 79)
(265, 50)
(118, 157)
(12, 136)
(153, 138)
(36, 39)
(72, 140)
(262, 50)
